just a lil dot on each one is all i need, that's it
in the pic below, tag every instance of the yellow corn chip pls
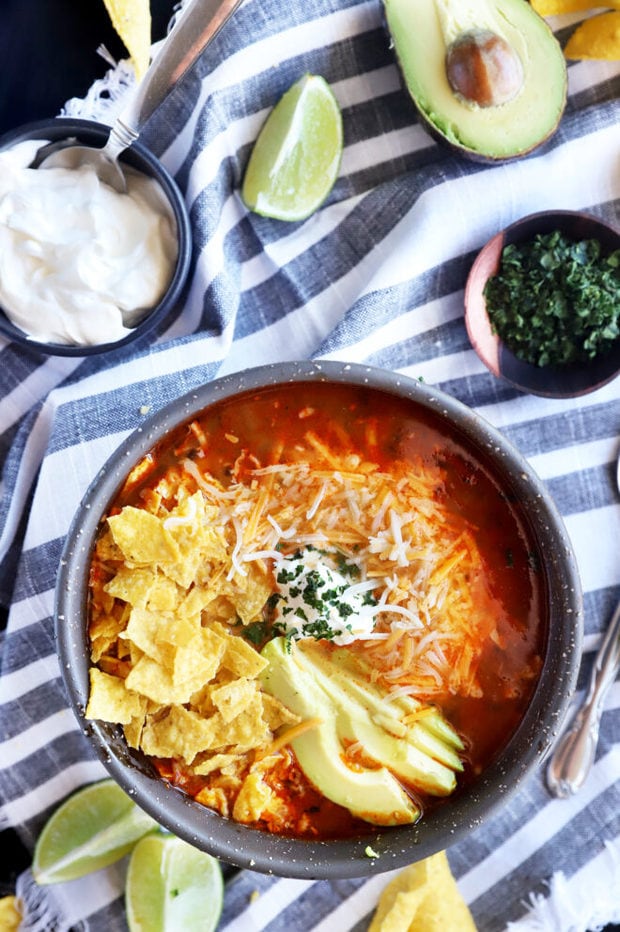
(232, 698)
(111, 701)
(133, 731)
(215, 798)
(214, 762)
(144, 587)
(181, 733)
(276, 714)
(147, 631)
(240, 658)
(598, 37)
(558, 7)
(10, 915)
(103, 633)
(253, 798)
(106, 549)
(249, 593)
(247, 730)
(142, 537)
(132, 21)
(424, 897)
(196, 540)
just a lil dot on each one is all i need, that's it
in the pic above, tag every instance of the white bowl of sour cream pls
(84, 269)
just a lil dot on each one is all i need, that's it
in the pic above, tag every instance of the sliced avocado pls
(373, 795)
(487, 76)
(424, 727)
(410, 749)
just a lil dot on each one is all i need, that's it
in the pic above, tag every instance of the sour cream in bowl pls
(84, 269)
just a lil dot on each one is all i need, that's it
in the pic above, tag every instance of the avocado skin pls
(395, 11)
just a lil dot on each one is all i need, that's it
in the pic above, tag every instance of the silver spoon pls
(573, 756)
(198, 23)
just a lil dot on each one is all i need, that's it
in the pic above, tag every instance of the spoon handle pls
(198, 23)
(573, 757)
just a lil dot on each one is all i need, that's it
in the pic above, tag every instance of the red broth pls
(234, 438)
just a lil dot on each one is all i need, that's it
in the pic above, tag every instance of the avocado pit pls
(483, 69)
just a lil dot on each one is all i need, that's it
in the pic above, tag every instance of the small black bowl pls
(88, 132)
(567, 381)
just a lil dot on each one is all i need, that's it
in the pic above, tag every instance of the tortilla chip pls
(253, 798)
(214, 762)
(181, 733)
(147, 631)
(110, 700)
(103, 633)
(232, 698)
(276, 713)
(424, 897)
(10, 915)
(196, 540)
(144, 587)
(249, 593)
(199, 661)
(132, 21)
(558, 7)
(142, 537)
(241, 658)
(248, 730)
(133, 731)
(214, 798)
(106, 549)
(597, 37)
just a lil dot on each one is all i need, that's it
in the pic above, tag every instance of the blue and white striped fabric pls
(376, 276)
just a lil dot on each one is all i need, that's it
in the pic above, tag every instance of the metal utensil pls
(573, 756)
(198, 24)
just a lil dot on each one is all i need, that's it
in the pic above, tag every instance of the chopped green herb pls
(556, 301)
(260, 631)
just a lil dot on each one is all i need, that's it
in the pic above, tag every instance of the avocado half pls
(425, 34)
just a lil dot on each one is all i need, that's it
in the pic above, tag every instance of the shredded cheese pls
(431, 610)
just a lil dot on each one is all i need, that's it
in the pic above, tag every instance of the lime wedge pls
(296, 158)
(172, 886)
(91, 829)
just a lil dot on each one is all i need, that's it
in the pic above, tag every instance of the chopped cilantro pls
(351, 570)
(260, 631)
(318, 629)
(556, 301)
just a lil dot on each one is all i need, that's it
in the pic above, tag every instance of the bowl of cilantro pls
(542, 304)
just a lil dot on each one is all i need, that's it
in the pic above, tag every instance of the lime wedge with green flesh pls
(93, 828)
(296, 158)
(172, 886)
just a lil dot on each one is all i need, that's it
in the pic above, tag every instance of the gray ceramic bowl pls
(139, 157)
(454, 818)
(568, 381)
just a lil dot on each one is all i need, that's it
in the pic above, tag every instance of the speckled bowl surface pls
(454, 818)
(568, 381)
(140, 158)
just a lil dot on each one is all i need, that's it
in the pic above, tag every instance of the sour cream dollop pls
(80, 263)
(316, 600)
